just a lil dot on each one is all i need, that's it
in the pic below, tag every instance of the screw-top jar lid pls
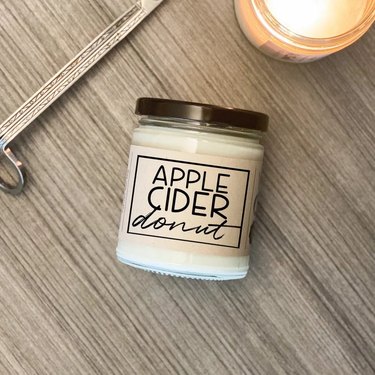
(206, 113)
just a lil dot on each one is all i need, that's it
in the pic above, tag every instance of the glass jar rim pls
(286, 34)
(208, 114)
(200, 127)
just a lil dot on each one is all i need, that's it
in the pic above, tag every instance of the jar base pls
(187, 274)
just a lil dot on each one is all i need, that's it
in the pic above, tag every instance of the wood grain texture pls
(68, 307)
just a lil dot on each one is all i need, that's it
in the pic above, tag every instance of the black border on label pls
(189, 163)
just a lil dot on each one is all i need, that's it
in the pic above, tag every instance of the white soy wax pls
(318, 18)
(191, 192)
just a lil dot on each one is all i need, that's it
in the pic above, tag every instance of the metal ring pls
(21, 174)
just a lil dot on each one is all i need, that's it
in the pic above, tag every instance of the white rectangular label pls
(186, 201)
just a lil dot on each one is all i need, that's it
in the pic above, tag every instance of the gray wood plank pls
(68, 307)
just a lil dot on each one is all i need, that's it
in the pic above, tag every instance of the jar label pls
(189, 202)
(277, 52)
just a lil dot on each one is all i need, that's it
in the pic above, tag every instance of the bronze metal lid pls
(205, 113)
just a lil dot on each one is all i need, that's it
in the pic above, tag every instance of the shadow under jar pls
(191, 191)
(304, 30)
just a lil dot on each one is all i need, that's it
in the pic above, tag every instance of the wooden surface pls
(68, 307)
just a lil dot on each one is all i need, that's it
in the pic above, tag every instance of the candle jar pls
(304, 30)
(191, 191)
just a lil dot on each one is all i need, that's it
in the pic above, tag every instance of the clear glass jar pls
(193, 179)
(304, 30)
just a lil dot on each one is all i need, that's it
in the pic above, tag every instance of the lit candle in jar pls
(304, 30)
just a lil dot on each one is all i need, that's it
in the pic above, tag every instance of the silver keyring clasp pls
(21, 173)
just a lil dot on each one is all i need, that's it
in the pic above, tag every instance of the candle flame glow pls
(317, 18)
